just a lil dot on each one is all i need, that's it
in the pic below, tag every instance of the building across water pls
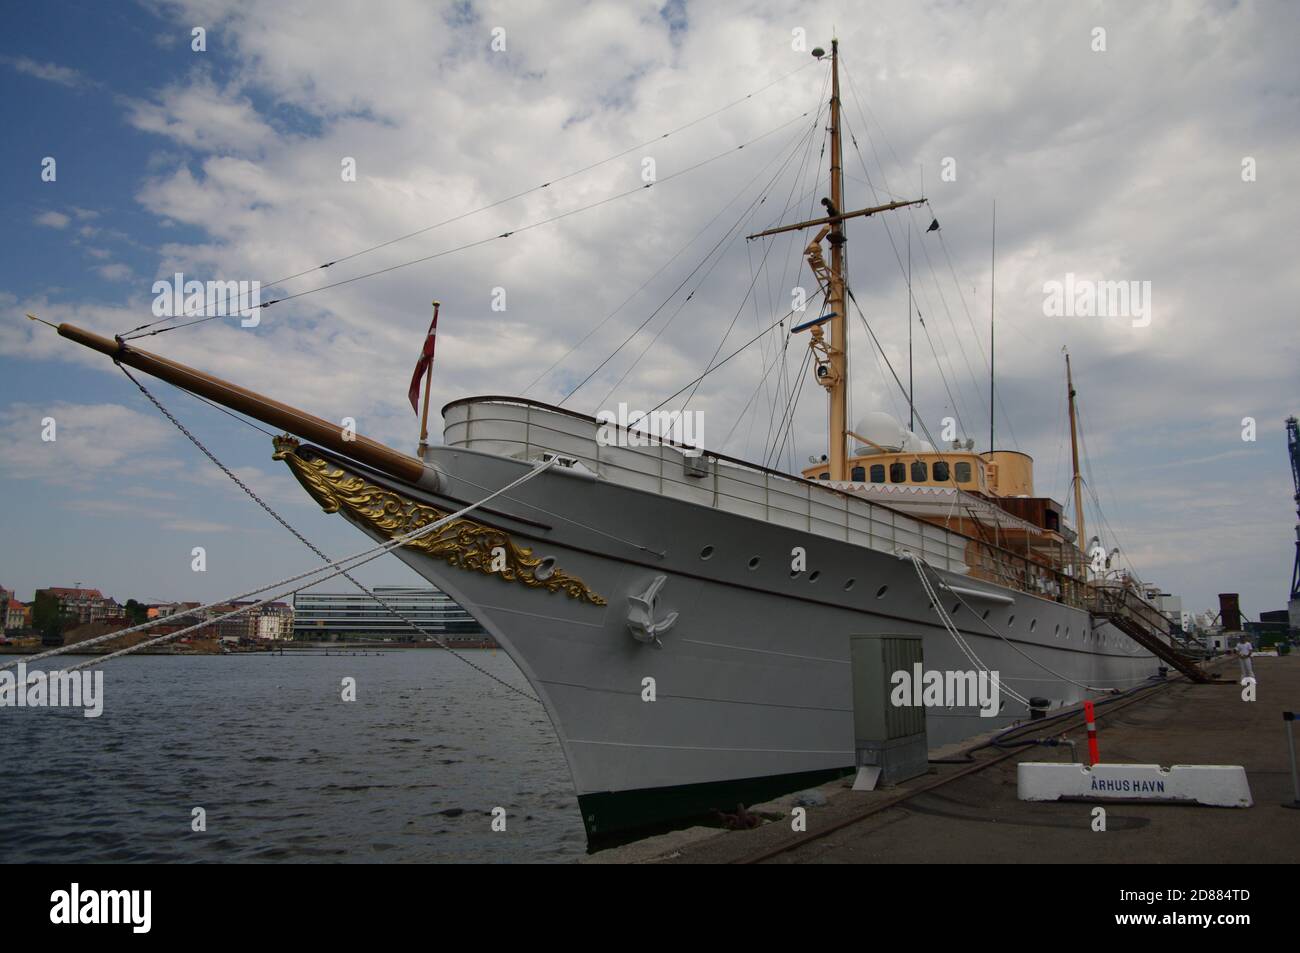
(354, 615)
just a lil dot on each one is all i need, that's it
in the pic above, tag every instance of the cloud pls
(115, 272)
(196, 526)
(202, 117)
(1123, 165)
(91, 442)
(52, 219)
(50, 72)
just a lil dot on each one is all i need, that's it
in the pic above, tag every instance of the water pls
(286, 770)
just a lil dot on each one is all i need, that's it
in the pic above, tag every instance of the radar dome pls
(881, 429)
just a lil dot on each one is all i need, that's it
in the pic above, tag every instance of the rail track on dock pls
(1073, 723)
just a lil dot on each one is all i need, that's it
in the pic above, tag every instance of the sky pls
(1150, 144)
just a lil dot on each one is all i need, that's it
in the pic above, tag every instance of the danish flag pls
(426, 360)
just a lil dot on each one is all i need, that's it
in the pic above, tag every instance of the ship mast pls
(836, 381)
(831, 354)
(1077, 482)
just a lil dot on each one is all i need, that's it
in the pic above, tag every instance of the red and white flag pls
(422, 366)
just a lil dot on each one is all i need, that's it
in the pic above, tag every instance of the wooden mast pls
(836, 380)
(832, 355)
(1074, 453)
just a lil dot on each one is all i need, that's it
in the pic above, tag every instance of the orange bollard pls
(1091, 717)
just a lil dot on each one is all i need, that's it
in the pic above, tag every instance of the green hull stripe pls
(613, 815)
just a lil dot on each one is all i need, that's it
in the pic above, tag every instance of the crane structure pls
(1293, 448)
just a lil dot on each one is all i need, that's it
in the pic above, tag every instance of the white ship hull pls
(752, 683)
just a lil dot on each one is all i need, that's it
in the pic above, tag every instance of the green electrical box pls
(889, 737)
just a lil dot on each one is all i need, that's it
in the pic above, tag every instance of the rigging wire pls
(687, 386)
(717, 350)
(483, 241)
(767, 373)
(777, 358)
(652, 314)
(888, 391)
(794, 255)
(723, 238)
(925, 429)
(306, 542)
(937, 603)
(661, 270)
(1010, 644)
(956, 339)
(1122, 542)
(773, 455)
(356, 559)
(736, 227)
(511, 198)
(792, 246)
(863, 105)
(913, 287)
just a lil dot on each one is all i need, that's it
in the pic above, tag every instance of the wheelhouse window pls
(919, 471)
(940, 470)
(963, 472)
(859, 474)
(898, 472)
(877, 473)
(824, 476)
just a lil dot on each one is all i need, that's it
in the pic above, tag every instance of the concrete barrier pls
(1217, 785)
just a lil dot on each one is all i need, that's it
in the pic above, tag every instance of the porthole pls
(816, 574)
(1067, 631)
(849, 585)
(1033, 624)
(1011, 620)
(985, 615)
(1057, 631)
(955, 608)
(753, 563)
(706, 552)
(880, 593)
(795, 572)
(545, 570)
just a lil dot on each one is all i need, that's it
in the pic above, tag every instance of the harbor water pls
(285, 769)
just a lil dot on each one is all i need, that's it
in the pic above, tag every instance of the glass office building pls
(354, 615)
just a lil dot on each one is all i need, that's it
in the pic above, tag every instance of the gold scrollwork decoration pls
(463, 543)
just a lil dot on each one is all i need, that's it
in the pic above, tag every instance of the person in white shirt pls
(1244, 651)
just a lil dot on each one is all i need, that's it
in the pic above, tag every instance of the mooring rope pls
(948, 624)
(1012, 645)
(356, 559)
(306, 542)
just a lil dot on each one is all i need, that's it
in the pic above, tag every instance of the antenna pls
(993, 277)
(911, 398)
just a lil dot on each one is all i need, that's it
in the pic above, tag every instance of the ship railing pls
(1059, 578)
(1123, 599)
(526, 430)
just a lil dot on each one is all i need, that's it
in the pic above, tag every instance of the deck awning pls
(936, 503)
